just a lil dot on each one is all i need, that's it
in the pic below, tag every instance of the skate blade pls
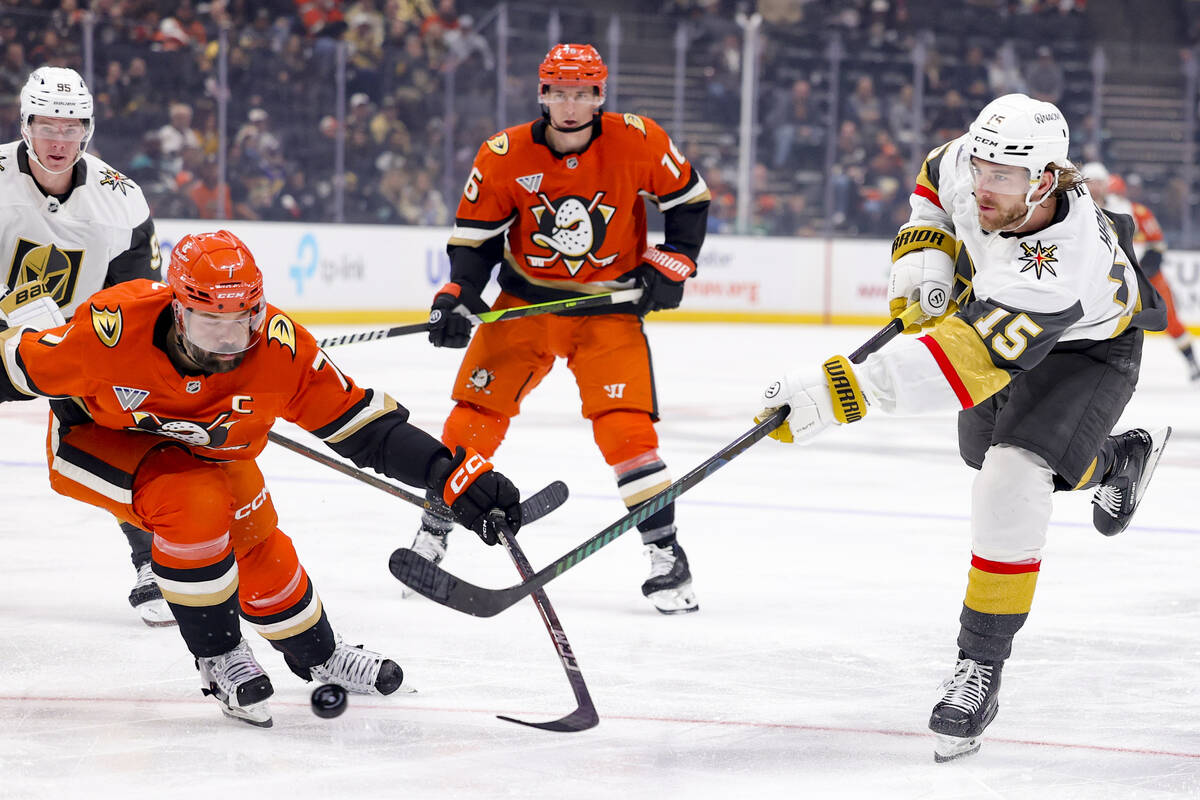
(947, 748)
(156, 614)
(680, 600)
(1159, 438)
(256, 714)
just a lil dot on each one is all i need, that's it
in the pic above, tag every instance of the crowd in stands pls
(156, 85)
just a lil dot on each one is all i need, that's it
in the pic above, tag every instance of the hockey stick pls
(584, 716)
(533, 508)
(426, 578)
(583, 301)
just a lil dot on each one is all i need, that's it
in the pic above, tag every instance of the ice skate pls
(356, 670)
(1117, 498)
(669, 586)
(146, 598)
(239, 684)
(970, 700)
(431, 541)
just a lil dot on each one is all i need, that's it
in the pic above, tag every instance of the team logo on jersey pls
(573, 229)
(498, 144)
(129, 398)
(108, 325)
(480, 379)
(48, 264)
(110, 177)
(1039, 259)
(531, 183)
(634, 121)
(196, 434)
(283, 330)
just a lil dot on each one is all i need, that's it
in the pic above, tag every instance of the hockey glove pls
(661, 278)
(922, 271)
(449, 325)
(30, 306)
(833, 397)
(471, 489)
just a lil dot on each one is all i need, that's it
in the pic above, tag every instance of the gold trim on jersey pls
(281, 329)
(576, 287)
(380, 404)
(108, 324)
(970, 358)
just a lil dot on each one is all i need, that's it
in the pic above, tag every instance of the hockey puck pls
(328, 701)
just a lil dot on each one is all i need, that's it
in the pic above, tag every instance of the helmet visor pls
(224, 333)
(72, 131)
(987, 176)
(586, 94)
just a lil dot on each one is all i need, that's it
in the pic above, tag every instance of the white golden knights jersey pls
(1018, 296)
(96, 235)
(573, 223)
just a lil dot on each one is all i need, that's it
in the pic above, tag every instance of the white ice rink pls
(830, 579)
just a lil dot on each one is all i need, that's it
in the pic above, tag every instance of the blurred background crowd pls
(371, 111)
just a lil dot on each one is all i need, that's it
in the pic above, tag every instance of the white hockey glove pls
(832, 396)
(30, 306)
(922, 271)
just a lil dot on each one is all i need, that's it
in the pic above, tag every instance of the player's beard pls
(1002, 218)
(203, 360)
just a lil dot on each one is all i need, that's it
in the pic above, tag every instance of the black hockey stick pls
(533, 508)
(433, 582)
(584, 716)
(583, 301)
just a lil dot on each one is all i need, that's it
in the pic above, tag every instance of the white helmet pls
(1017, 131)
(1021, 132)
(56, 92)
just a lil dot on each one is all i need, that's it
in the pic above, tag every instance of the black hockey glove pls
(448, 323)
(471, 489)
(661, 279)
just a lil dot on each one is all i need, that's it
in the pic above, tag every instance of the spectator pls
(952, 119)
(1044, 77)
(177, 135)
(864, 106)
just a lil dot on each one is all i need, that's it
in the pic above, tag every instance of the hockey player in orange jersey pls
(174, 390)
(1109, 191)
(558, 204)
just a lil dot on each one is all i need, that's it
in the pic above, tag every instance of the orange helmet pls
(215, 274)
(573, 65)
(1116, 185)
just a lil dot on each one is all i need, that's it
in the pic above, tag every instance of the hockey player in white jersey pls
(1034, 309)
(75, 225)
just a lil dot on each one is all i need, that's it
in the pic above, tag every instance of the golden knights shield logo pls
(48, 264)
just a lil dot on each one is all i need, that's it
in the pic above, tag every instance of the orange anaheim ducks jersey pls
(572, 222)
(110, 358)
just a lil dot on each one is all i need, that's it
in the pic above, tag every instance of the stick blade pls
(429, 580)
(543, 502)
(581, 719)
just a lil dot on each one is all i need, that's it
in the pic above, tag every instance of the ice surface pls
(829, 577)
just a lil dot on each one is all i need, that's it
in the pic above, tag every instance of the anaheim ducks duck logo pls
(196, 434)
(573, 229)
(479, 380)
